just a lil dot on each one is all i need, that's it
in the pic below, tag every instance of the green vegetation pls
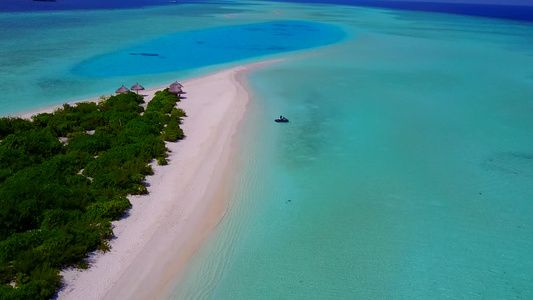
(57, 199)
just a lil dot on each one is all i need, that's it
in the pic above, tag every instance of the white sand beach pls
(185, 201)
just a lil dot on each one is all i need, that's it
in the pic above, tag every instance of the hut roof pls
(176, 84)
(122, 89)
(137, 87)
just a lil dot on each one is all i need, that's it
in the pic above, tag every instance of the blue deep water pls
(502, 11)
(523, 12)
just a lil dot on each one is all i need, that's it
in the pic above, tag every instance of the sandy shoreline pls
(186, 199)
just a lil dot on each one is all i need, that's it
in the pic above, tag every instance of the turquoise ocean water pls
(406, 171)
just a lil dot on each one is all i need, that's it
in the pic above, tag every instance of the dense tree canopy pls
(64, 176)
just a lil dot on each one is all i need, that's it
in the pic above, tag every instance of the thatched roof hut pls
(137, 87)
(176, 84)
(122, 89)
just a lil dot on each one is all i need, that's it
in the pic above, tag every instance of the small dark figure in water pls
(282, 119)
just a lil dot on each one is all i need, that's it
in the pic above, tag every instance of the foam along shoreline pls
(185, 201)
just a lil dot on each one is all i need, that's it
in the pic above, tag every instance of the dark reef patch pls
(513, 163)
(145, 54)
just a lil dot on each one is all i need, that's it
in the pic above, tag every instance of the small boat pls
(281, 120)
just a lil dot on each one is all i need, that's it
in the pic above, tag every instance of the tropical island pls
(64, 176)
(404, 172)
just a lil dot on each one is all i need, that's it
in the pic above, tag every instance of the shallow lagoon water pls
(406, 169)
(405, 172)
(213, 46)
